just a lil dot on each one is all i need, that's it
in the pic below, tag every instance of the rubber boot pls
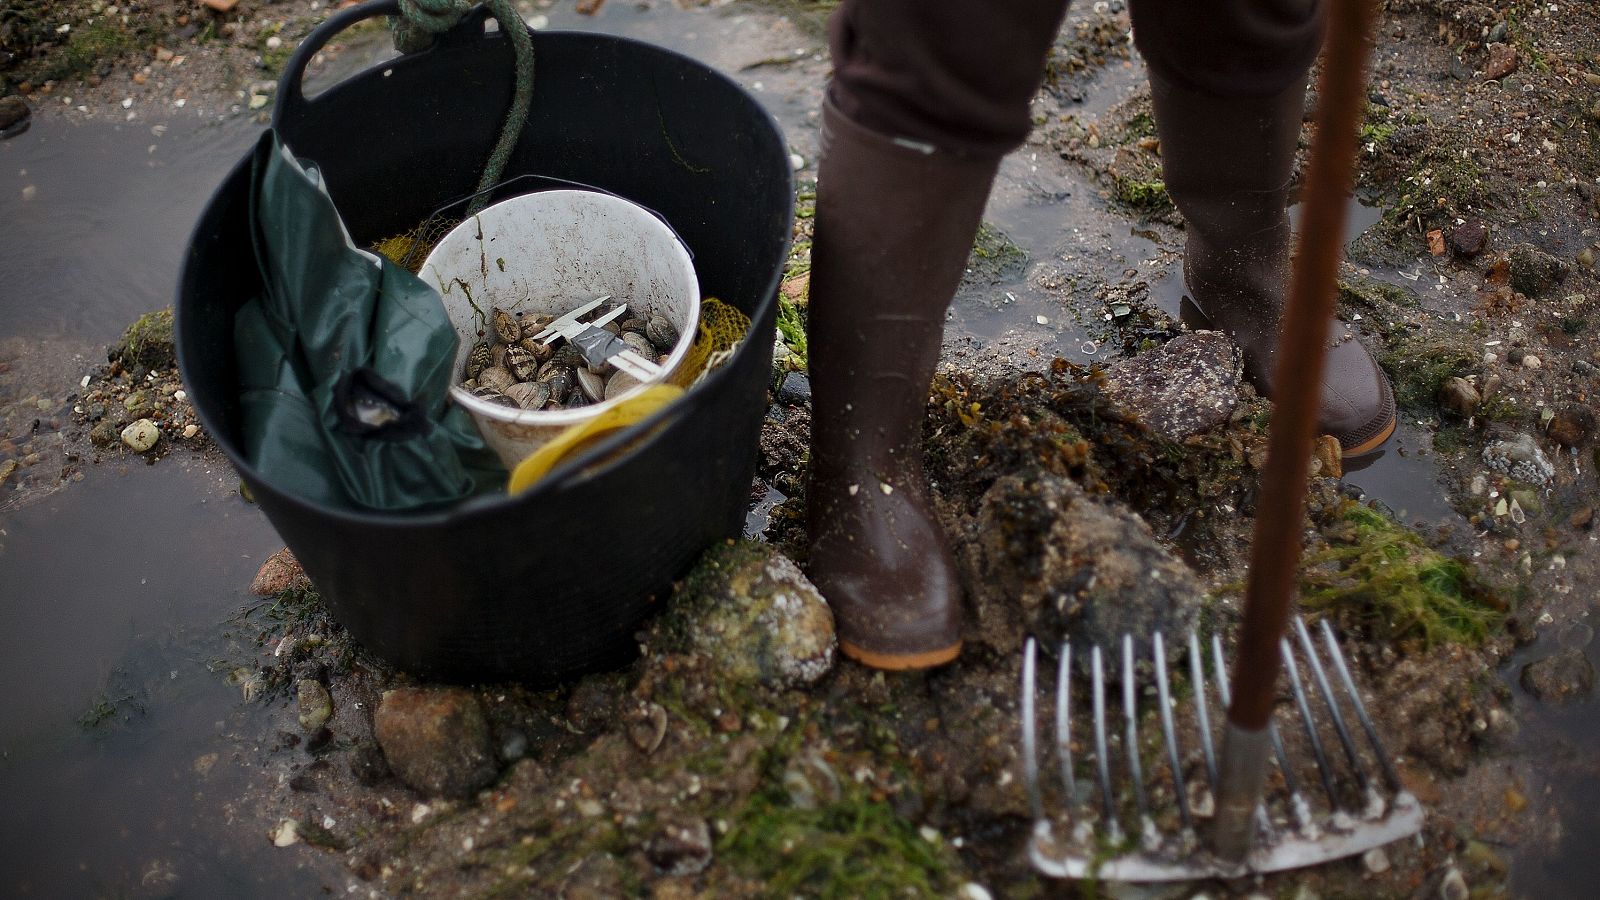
(894, 224)
(1227, 164)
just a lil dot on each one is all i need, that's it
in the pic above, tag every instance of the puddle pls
(115, 603)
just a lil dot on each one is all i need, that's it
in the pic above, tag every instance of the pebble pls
(682, 848)
(1529, 361)
(1375, 860)
(1585, 368)
(1572, 425)
(1563, 676)
(6, 469)
(141, 435)
(1469, 238)
(795, 390)
(1453, 886)
(286, 834)
(1460, 396)
(316, 706)
(514, 747)
(1519, 458)
(1502, 62)
(281, 572)
(974, 891)
(191, 430)
(1533, 271)
(436, 740)
(14, 112)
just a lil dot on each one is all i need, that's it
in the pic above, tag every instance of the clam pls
(620, 383)
(639, 344)
(559, 378)
(633, 324)
(506, 327)
(533, 323)
(592, 385)
(521, 363)
(661, 333)
(497, 356)
(529, 394)
(541, 351)
(484, 392)
(566, 356)
(496, 378)
(479, 359)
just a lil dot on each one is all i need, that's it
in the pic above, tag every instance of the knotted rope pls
(423, 20)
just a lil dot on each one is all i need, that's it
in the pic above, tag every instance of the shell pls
(633, 324)
(639, 344)
(560, 380)
(529, 394)
(484, 392)
(541, 352)
(497, 356)
(533, 323)
(593, 386)
(496, 379)
(620, 383)
(522, 364)
(566, 356)
(479, 359)
(661, 333)
(506, 327)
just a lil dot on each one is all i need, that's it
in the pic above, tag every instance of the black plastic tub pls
(553, 582)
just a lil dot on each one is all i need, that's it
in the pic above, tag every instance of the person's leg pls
(926, 98)
(1228, 86)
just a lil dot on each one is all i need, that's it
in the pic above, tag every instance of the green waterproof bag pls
(345, 361)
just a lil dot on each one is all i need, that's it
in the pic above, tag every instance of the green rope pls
(422, 20)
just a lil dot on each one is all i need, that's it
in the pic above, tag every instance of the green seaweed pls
(1142, 196)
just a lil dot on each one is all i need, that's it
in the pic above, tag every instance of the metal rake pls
(1117, 835)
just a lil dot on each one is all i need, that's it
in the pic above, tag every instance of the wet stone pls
(751, 613)
(436, 740)
(1054, 562)
(1572, 426)
(1184, 387)
(681, 848)
(1559, 678)
(141, 435)
(1459, 396)
(1519, 458)
(1533, 271)
(13, 112)
(1469, 238)
(795, 390)
(316, 706)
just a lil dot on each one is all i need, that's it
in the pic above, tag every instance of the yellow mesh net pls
(717, 337)
(408, 249)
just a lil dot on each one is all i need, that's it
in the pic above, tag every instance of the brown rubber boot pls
(895, 221)
(1227, 164)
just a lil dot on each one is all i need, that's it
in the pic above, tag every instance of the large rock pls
(281, 572)
(1184, 387)
(436, 740)
(1053, 562)
(1534, 271)
(1519, 458)
(750, 612)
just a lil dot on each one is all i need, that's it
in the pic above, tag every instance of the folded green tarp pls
(345, 361)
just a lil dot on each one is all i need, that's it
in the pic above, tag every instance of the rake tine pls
(1289, 780)
(1030, 750)
(1323, 770)
(1389, 774)
(1064, 723)
(1159, 653)
(1098, 667)
(1202, 715)
(1321, 678)
(1131, 732)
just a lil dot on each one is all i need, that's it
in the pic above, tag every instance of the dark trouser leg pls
(1228, 87)
(926, 99)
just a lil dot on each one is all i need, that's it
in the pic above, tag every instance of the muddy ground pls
(1478, 284)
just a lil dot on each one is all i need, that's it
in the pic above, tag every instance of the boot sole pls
(1373, 443)
(900, 662)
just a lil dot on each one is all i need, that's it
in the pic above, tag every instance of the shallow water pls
(117, 593)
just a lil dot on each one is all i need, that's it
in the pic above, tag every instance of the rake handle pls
(1276, 542)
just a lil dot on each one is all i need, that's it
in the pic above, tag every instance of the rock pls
(281, 572)
(1572, 425)
(1533, 271)
(7, 468)
(1327, 458)
(750, 613)
(103, 434)
(1529, 361)
(146, 343)
(1502, 62)
(1184, 387)
(682, 848)
(1453, 886)
(141, 435)
(1375, 860)
(1519, 458)
(647, 727)
(286, 834)
(14, 115)
(1459, 396)
(810, 782)
(1436, 245)
(974, 891)
(220, 6)
(1585, 368)
(1469, 238)
(367, 763)
(436, 740)
(795, 390)
(1583, 518)
(1561, 677)
(1051, 561)
(316, 706)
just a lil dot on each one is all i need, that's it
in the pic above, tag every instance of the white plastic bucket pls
(549, 253)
